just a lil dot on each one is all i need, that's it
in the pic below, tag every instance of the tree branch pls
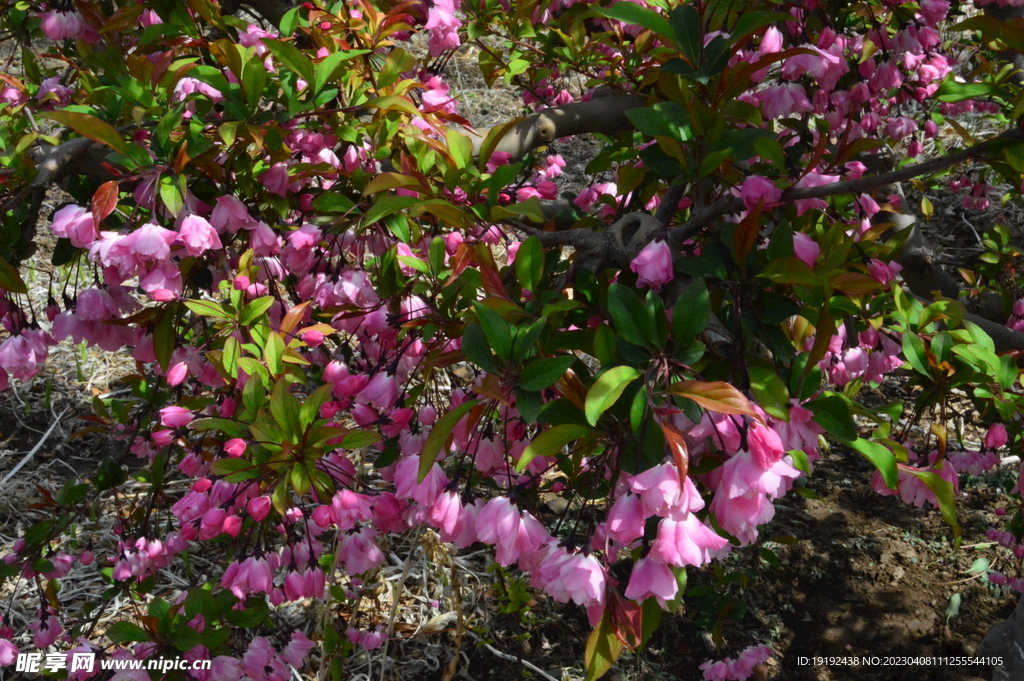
(605, 114)
(730, 204)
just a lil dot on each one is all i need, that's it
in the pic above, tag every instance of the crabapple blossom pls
(653, 265)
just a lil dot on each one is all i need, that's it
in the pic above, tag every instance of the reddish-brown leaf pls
(854, 283)
(104, 201)
(677, 445)
(627, 618)
(746, 233)
(716, 396)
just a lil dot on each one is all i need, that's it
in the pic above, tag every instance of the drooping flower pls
(783, 100)
(757, 189)
(651, 578)
(653, 265)
(198, 235)
(805, 248)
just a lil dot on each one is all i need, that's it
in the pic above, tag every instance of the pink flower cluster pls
(739, 668)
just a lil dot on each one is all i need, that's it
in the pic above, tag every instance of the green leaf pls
(254, 310)
(497, 331)
(656, 313)
(953, 609)
(770, 391)
(667, 119)
(630, 316)
(126, 632)
(164, 336)
(1008, 31)
(284, 406)
(387, 204)
(91, 127)
(529, 263)
(691, 314)
(171, 195)
(310, 410)
(630, 13)
(332, 202)
(235, 470)
(292, 58)
(526, 338)
(476, 349)
(751, 22)
(355, 439)
(832, 413)
(461, 148)
(551, 442)
(603, 645)
(944, 492)
(542, 373)
(327, 70)
(439, 435)
(207, 308)
(651, 619)
(273, 352)
(10, 279)
(289, 22)
(606, 390)
(951, 91)
(687, 29)
(882, 457)
(914, 351)
(226, 426)
(229, 358)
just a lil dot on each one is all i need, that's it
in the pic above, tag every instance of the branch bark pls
(605, 114)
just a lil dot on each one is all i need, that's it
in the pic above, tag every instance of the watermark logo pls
(34, 663)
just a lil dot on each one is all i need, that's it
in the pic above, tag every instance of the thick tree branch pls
(729, 204)
(867, 184)
(605, 114)
(271, 10)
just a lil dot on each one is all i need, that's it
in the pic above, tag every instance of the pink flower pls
(230, 214)
(259, 508)
(276, 179)
(176, 417)
(651, 578)
(512, 531)
(8, 652)
(572, 576)
(744, 473)
(626, 519)
(934, 11)
(756, 189)
(60, 25)
(898, 128)
(443, 27)
(77, 224)
(235, 447)
(687, 541)
(996, 436)
(715, 671)
(653, 265)
(805, 248)
(765, 444)
(740, 516)
(407, 485)
(813, 179)
(359, 552)
(783, 100)
(586, 199)
(198, 235)
(772, 41)
(882, 271)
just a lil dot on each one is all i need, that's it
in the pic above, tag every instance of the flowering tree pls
(355, 315)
